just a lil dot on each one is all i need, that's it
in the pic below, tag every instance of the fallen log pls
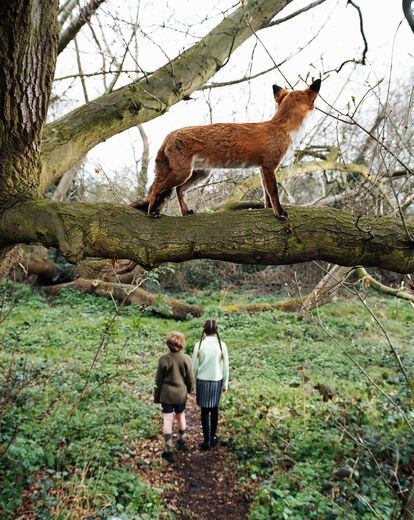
(129, 294)
(35, 261)
(289, 305)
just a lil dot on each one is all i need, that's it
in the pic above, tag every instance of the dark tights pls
(209, 422)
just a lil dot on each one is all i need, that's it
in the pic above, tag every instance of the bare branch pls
(296, 13)
(79, 63)
(370, 281)
(72, 30)
(362, 59)
(66, 10)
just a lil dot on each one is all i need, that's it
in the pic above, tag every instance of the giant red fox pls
(187, 153)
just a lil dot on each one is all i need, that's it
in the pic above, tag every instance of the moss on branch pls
(255, 236)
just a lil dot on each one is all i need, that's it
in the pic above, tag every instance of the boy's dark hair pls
(175, 341)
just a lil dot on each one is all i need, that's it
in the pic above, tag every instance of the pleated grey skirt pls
(208, 393)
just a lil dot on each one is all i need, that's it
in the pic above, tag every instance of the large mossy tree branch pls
(68, 139)
(83, 230)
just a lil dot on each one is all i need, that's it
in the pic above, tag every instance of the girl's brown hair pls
(175, 341)
(210, 328)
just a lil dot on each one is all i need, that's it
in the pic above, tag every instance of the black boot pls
(205, 423)
(168, 456)
(214, 425)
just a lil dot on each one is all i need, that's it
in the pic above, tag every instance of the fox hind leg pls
(183, 206)
(195, 178)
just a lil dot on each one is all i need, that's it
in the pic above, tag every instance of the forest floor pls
(199, 484)
(80, 436)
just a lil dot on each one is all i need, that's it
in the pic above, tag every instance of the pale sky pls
(333, 25)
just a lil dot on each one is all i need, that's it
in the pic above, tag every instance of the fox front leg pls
(270, 184)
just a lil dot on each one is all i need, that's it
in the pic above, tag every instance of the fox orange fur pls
(185, 153)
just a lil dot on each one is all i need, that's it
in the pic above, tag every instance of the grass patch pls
(69, 428)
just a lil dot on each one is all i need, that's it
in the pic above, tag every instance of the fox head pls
(306, 97)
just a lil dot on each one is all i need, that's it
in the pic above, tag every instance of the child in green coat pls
(173, 382)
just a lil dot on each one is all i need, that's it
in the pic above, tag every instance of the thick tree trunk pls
(28, 39)
(67, 140)
(83, 230)
(130, 294)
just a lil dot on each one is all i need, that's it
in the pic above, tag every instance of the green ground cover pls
(69, 423)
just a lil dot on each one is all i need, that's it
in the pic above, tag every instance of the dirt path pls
(200, 484)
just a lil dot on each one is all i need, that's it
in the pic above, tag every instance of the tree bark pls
(288, 305)
(28, 39)
(64, 184)
(83, 230)
(67, 140)
(130, 294)
(124, 271)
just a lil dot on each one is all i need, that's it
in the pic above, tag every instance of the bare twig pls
(72, 30)
(296, 13)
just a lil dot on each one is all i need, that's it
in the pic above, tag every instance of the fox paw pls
(283, 215)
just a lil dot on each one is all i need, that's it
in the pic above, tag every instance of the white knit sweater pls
(208, 363)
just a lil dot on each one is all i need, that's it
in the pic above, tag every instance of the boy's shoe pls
(180, 445)
(168, 456)
(204, 446)
(214, 441)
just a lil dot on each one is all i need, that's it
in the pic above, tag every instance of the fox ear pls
(276, 89)
(316, 85)
(279, 93)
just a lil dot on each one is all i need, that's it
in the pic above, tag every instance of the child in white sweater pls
(211, 369)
